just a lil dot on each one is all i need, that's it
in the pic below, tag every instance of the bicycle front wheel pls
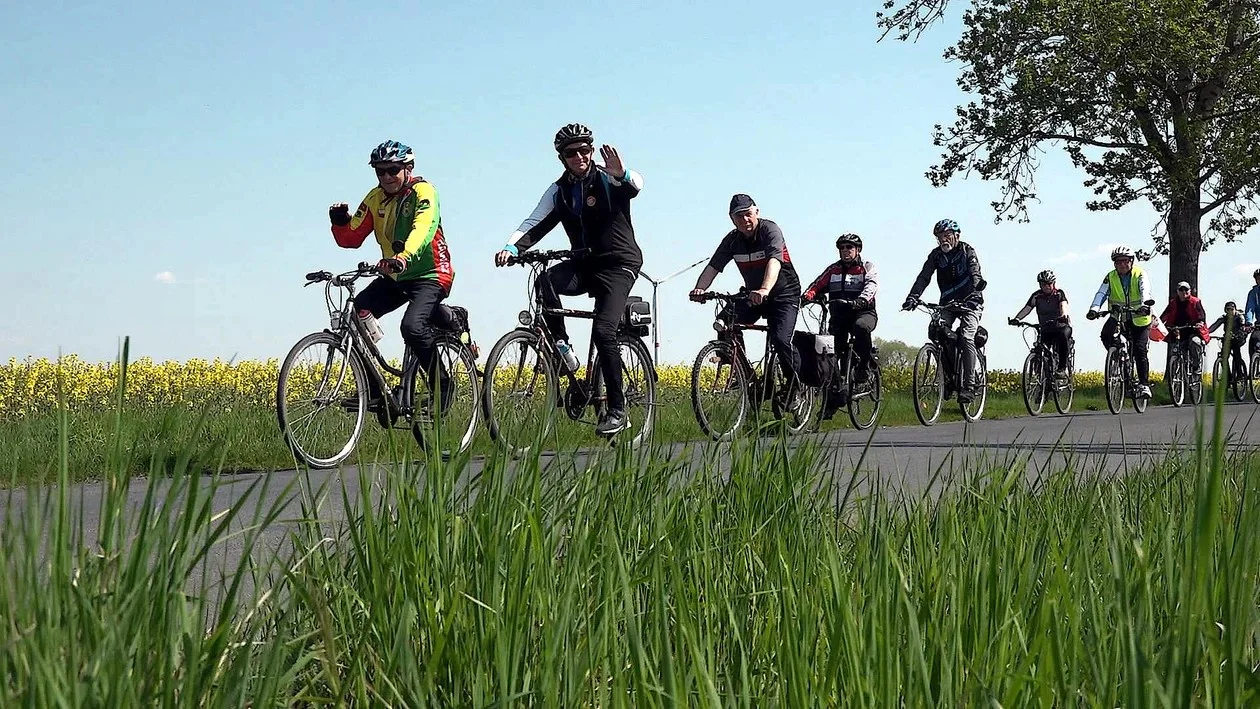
(1033, 380)
(638, 385)
(1114, 381)
(1255, 377)
(1177, 378)
(321, 400)
(928, 385)
(519, 393)
(866, 401)
(445, 418)
(719, 389)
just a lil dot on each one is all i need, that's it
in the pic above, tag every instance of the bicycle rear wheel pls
(719, 391)
(445, 416)
(796, 413)
(519, 392)
(1254, 379)
(321, 400)
(974, 409)
(1065, 391)
(638, 384)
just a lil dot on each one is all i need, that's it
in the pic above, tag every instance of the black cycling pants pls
(385, 295)
(780, 318)
(861, 323)
(1140, 337)
(609, 287)
(1057, 335)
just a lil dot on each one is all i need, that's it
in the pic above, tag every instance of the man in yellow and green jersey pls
(402, 211)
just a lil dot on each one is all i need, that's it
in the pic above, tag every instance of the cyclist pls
(1051, 305)
(1185, 309)
(1252, 312)
(1238, 329)
(958, 276)
(403, 213)
(850, 278)
(761, 254)
(592, 202)
(1126, 284)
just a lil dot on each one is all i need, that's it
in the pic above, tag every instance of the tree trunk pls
(1185, 241)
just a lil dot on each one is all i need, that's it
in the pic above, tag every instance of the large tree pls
(1153, 99)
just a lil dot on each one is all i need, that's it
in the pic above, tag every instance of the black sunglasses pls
(574, 152)
(391, 170)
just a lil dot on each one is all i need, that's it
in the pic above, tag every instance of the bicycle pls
(1120, 367)
(1183, 375)
(863, 401)
(929, 375)
(1039, 378)
(1241, 380)
(752, 384)
(349, 378)
(510, 384)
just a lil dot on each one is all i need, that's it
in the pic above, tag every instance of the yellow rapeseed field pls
(32, 386)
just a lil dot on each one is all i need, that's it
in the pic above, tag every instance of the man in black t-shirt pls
(757, 247)
(1051, 305)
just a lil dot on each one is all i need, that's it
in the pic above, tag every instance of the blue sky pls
(168, 168)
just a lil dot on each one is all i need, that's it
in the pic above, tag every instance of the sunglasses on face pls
(391, 170)
(1183, 290)
(574, 152)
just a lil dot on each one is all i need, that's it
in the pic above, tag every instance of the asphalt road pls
(915, 459)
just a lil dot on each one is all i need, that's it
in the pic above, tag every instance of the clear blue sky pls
(168, 167)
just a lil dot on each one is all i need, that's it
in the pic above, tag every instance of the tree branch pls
(1038, 135)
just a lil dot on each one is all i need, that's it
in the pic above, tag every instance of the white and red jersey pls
(859, 279)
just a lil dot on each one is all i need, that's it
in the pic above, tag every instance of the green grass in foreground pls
(248, 438)
(643, 581)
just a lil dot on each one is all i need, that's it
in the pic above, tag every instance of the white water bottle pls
(371, 325)
(570, 359)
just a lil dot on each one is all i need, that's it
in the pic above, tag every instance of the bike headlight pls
(525, 318)
(335, 321)
(719, 326)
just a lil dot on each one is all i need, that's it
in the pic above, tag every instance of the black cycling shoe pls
(613, 422)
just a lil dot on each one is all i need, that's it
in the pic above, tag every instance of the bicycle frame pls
(768, 359)
(937, 326)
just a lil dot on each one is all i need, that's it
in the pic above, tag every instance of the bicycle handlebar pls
(528, 257)
(344, 279)
(706, 296)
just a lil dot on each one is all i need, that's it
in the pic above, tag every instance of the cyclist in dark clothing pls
(1238, 329)
(1051, 305)
(856, 279)
(958, 276)
(757, 247)
(592, 202)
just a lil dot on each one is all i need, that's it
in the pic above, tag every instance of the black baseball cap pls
(741, 203)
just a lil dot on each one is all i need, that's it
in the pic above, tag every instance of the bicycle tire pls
(358, 373)
(422, 431)
(1176, 377)
(1254, 372)
(1034, 401)
(874, 393)
(489, 398)
(1113, 381)
(974, 409)
(738, 382)
(648, 394)
(919, 385)
(1068, 390)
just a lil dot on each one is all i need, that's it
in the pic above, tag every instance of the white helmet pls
(1121, 252)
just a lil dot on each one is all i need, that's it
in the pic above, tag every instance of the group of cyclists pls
(592, 202)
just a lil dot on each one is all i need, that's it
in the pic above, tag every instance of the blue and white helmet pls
(392, 151)
(945, 225)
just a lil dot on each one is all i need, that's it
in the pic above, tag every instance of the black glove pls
(1093, 315)
(1144, 310)
(339, 215)
(1012, 321)
(861, 303)
(911, 302)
